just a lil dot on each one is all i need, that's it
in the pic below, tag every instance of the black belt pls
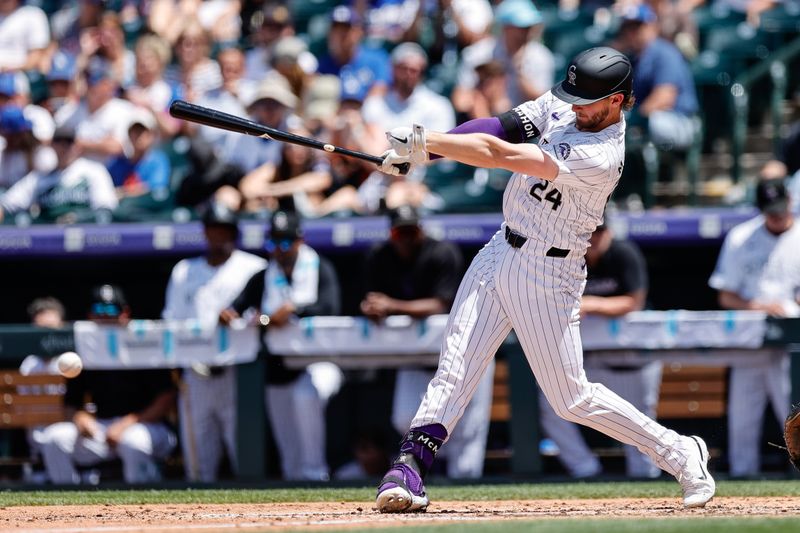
(517, 241)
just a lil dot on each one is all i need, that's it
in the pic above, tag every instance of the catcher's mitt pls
(791, 434)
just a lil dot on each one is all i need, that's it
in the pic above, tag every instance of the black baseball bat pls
(217, 119)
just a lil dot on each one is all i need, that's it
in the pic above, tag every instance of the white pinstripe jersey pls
(564, 213)
(198, 290)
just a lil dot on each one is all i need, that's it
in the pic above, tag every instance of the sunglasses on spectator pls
(284, 245)
(107, 310)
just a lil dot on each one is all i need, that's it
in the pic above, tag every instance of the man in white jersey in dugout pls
(530, 276)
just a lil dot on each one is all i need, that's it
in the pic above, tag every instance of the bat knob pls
(403, 168)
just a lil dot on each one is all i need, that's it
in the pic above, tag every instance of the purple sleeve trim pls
(491, 125)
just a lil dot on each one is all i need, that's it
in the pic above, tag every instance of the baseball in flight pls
(69, 364)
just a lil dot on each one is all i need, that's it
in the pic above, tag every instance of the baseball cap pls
(107, 301)
(518, 13)
(62, 67)
(353, 89)
(285, 225)
(8, 84)
(772, 197)
(12, 120)
(322, 97)
(96, 72)
(220, 215)
(144, 118)
(408, 50)
(345, 15)
(289, 48)
(641, 13)
(403, 216)
(595, 74)
(275, 87)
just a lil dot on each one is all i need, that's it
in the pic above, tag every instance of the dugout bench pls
(354, 343)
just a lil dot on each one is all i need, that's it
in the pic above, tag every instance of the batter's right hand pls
(394, 164)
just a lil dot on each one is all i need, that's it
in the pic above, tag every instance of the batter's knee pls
(573, 408)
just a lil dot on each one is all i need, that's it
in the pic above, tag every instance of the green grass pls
(659, 489)
(669, 525)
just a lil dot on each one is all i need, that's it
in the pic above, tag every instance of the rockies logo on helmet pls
(571, 75)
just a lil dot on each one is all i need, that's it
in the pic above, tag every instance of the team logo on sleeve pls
(563, 150)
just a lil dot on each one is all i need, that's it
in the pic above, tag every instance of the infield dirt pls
(346, 515)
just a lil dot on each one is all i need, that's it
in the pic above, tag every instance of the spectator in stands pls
(268, 25)
(392, 21)
(321, 103)
(408, 101)
(71, 21)
(103, 48)
(126, 419)
(292, 60)
(149, 90)
(616, 285)
(147, 169)
(15, 90)
(416, 275)
(219, 18)
(349, 58)
(200, 288)
(76, 184)
(749, 10)
(298, 282)
(473, 19)
(297, 182)
(529, 64)
(60, 80)
(666, 99)
(195, 73)
(25, 36)
(100, 119)
(231, 97)
(272, 105)
(490, 96)
(752, 273)
(350, 130)
(20, 150)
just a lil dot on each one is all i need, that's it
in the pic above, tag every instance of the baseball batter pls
(531, 274)
(199, 288)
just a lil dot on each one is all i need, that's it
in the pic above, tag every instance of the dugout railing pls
(698, 338)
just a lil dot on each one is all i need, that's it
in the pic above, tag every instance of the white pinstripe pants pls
(208, 420)
(539, 297)
(639, 386)
(466, 447)
(139, 448)
(751, 388)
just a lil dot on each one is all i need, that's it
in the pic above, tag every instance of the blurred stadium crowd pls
(86, 86)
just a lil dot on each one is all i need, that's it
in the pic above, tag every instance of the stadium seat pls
(481, 194)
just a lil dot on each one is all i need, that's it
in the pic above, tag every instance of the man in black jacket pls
(297, 283)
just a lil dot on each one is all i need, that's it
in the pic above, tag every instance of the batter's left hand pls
(409, 141)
